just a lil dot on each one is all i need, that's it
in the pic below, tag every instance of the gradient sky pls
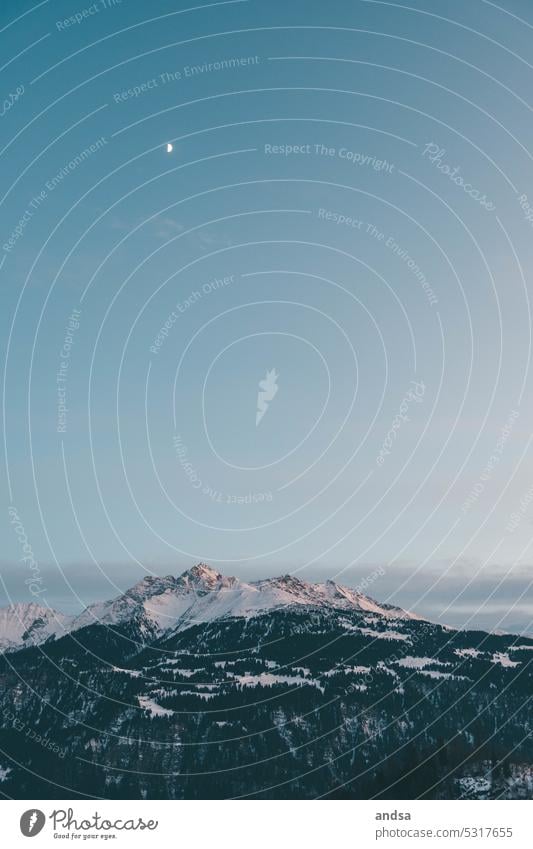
(161, 463)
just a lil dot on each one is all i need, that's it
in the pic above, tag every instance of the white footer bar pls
(269, 824)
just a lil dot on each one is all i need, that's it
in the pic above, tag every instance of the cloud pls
(168, 227)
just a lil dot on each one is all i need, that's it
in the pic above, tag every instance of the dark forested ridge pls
(291, 703)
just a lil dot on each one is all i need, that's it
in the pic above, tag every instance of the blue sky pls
(331, 163)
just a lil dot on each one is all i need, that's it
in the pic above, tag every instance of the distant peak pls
(290, 581)
(150, 585)
(30, 606)
(204, 577)
(202, 570)
(203, 573)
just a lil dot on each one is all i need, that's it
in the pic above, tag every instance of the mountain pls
(203, 686)
(30, 624)
(157, 605)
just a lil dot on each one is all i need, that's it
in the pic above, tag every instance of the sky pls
(319, 212)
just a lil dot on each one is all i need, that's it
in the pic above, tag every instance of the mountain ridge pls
(171, 603)
(310, 690)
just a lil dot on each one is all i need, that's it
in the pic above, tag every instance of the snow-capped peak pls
(202, 578)
(149, 586)
(159, 605)
(30, 624)
(199, 578)
(292, 590)
(202, 572)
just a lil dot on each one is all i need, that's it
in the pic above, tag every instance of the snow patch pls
(146, 703)
(419, 662)
(504, 660)
(383, 635)
(474, 785)
(467, 652)
(267, 679)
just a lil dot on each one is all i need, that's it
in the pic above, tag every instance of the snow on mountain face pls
(202, 595)
(30, 624)
(158, 605)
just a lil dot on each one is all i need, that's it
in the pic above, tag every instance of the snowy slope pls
(203, 594)
(30, 624)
